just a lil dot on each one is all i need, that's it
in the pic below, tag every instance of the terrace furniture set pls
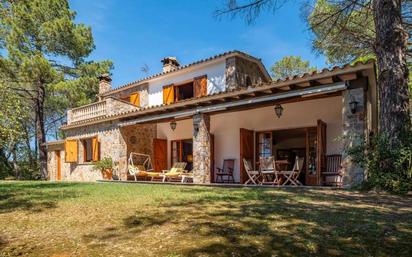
(271, 172)
(275, 172)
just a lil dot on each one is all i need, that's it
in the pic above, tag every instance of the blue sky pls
(139, 32)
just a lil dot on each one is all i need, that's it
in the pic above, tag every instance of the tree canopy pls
(43, 60)
(290, 66)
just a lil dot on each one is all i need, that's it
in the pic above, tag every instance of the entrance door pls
(159, 154)
(246, 151)
(59, 166)
(321, 150)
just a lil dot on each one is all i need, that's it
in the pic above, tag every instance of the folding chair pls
(252, 174)
(292, 176)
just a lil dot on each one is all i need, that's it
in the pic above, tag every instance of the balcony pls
(109, 106)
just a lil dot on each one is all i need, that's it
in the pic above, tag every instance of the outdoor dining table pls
(281, 165)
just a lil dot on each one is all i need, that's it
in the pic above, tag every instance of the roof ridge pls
(155, 75)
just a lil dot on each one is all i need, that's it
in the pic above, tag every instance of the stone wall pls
(353, 133)
(139, 138)
(111, 143)
(143, 90)
(201, 148)
(115, 142)
(115, 106)
(241, 72)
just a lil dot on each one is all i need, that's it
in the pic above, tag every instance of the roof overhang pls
(240, 103)
(305, 87)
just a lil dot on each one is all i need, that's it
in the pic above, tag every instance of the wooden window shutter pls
(200, 86)
(135, 99)
(168, 94)
(71, 150)
(95, 149)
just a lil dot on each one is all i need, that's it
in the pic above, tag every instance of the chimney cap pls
(105, 76)
(170, 60)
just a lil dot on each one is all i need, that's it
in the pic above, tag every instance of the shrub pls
(388, 168)
(105, 163)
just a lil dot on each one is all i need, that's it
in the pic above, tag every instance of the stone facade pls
(353, 133)
(143, 90)
(115, 142)
(201, 148)
(111, 143)
(114, 106)
(241, 72)
(139, 138)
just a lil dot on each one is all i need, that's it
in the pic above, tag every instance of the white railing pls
(86, 112)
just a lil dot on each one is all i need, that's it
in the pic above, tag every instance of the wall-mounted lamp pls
(173, 125)
(353, 106)
(278, 110)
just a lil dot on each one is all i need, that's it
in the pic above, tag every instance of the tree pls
(44, 60)
(379, 27)
(290, 66)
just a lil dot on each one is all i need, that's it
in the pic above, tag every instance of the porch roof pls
(308, 84)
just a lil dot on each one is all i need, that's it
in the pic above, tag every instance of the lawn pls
(71, 219)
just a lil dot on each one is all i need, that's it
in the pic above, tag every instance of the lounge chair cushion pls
(174, 172)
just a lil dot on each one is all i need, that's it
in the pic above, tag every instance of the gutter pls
(219, 107)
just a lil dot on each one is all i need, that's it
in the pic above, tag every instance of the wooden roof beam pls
(346, 77)
(325, 81)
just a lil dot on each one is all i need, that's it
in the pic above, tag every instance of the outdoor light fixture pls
(278, 110)
(173, 125)
(353, 106)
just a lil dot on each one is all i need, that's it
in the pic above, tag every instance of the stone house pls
(223, 107)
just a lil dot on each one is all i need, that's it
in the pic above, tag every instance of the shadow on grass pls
(33, 196)
(284, 222)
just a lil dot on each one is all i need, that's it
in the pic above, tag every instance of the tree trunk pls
(390, 48)
(16, 167)
(40, 132)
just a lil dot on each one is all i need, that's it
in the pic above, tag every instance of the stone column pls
(353, 133)
(201, 148)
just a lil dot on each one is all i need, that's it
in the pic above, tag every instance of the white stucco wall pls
(215, 72)
(225, 127)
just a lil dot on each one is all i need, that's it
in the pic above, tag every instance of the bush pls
(388, 168)
(105, 163)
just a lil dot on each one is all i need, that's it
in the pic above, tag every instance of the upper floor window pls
(196, 88)
(133, 98)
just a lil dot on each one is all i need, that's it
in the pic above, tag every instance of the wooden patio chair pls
(267, 169)
(177, 170)
(252, 174)
(226, 171)
(292, 176)
(333, 174)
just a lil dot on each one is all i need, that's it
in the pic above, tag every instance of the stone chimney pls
(170, 63)
(105, 83)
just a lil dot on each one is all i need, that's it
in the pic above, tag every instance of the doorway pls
(58, 166)
(182, 151)
(287, 144)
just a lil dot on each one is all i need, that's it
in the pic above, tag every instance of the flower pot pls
(107, 174)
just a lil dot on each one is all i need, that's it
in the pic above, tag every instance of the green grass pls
(71, 219)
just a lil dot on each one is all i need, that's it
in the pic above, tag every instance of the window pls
(184, 91)
(133, 98)
(182, 151)
(70, 149)
(195, 88)
(90, 149)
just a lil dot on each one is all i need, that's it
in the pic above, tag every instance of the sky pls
(141, 32)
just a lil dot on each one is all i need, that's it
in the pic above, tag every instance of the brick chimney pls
(170, 63)
(105, 83)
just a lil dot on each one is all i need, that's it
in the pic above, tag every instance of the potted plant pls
(106, 167)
